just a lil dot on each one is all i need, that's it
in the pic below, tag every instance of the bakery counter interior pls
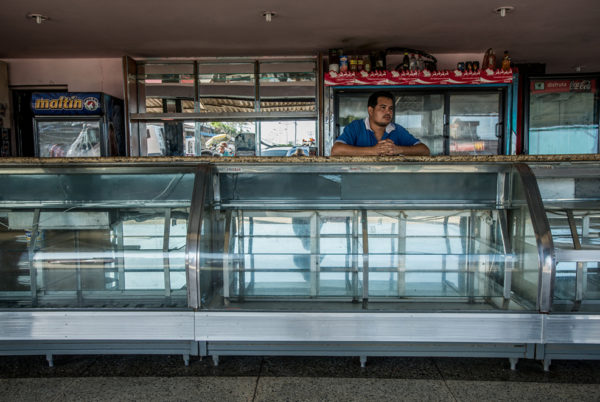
(331, 236)
(370, 237)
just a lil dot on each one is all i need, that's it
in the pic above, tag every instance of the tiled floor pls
(165, 378)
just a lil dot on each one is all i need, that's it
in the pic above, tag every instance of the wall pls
(79, 75)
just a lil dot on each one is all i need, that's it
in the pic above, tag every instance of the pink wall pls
(79, 75)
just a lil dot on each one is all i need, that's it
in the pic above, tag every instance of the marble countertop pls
(11, 162)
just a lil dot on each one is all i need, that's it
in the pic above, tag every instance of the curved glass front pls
(102, 238)
(269, 237)
(402, 237)
(571, 196)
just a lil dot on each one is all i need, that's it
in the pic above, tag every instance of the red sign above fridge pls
(555, 86)
(418, 78)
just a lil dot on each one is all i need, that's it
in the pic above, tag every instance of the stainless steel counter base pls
(368, 327)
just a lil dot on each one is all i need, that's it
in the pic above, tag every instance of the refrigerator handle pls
(499, 130)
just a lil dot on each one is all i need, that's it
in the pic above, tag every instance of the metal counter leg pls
(215, 360)
(363, 361)
(547, 362)
(186, 359)
(50, 359)
(513, 363)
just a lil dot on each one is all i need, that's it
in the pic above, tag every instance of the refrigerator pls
(450, 120)
(562, 115)
(78, 124)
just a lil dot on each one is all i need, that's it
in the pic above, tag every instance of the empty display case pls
(319, 258)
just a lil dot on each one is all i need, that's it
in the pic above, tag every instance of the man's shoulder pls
(357, 125)
(399, 129)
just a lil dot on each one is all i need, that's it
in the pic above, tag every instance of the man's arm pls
(341, 149)
(385, 147)
(419, 149)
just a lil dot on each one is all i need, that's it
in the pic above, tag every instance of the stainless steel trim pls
(260, 204)
(581, 266)
(564, 255)
(543, 235)
(314, 254)
(227, 249)
(573, 229)
(224, 116)
(367, 167)
(366, 327)
(506, 242)
(192, 247)
(572, 328)
(240, 261)
(365, 238)
(165, 249)
(501, 189)
(33, 274)
(96, 325)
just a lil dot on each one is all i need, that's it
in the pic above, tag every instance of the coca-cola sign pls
(553, 86)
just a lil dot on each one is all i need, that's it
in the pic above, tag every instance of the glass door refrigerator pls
(81, 124)
(450, 120)
(562, 115)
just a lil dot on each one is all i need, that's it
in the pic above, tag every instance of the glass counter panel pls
(288, 138)
(81, 138)
(436, 259)
(563, 117)
(226, 87)
(167, 88)
(98, 240)
(288, 86)
(188, 138)
(474, 124)
(423, 116)
(577, 283)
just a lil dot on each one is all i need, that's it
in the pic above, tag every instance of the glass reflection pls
(456, 256)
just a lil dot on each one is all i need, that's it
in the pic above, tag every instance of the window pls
(222, 107)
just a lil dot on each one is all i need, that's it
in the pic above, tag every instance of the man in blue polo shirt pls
(377, 134)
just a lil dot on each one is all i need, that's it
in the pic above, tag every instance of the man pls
(377, 135)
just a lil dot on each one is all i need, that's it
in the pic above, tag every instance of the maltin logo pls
(91, 104)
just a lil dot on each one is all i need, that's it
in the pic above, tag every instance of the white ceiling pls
(561, 34)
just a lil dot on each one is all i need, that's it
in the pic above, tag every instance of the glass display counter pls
(312, 257)
(390, 237)
(571, 197)
(94, 237)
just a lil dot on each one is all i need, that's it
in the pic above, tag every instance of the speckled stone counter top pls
(12, 162)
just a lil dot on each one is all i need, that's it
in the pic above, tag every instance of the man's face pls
(382, 113)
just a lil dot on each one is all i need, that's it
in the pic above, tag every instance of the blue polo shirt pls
(359, 134)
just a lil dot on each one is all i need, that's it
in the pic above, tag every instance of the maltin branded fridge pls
(78, 124)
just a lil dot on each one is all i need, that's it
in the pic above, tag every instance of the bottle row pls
(340, 62)
(425, 77)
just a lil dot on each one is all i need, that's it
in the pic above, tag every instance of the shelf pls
(397, 78)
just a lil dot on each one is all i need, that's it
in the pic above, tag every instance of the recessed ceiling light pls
(269, 15)
(38, 18)
(502, 11)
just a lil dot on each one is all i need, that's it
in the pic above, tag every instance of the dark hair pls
(379, 94)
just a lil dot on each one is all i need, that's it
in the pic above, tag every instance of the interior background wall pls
(79, 75)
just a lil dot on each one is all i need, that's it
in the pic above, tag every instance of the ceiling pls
(561, 34)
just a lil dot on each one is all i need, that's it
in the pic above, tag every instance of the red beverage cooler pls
(81, 124)
(562, 115)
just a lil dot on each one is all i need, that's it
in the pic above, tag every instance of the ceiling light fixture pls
(269, 15)
(39, 18)
(504, 10)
